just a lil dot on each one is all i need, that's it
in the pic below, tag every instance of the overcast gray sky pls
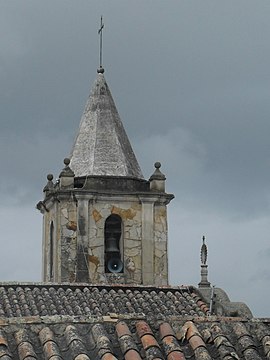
(191, 81)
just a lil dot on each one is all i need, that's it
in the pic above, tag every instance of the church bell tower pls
(102, 221)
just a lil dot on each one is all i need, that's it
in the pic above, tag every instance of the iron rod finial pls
(100, 33)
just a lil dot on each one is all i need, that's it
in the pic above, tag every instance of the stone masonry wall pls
(48, 218)
(64, 215)
(68, 236)
(130, 244)
(161, 243)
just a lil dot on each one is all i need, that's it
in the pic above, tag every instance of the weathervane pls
(100, 44)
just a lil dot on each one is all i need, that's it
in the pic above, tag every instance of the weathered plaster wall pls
(130, 244)
(143, 244)
(161, 245)
(64, 217)
(67, 248)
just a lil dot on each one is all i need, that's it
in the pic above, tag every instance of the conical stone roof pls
(101, 146)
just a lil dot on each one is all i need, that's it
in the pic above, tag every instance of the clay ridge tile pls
(24, 346)
(199, 339)
(190, 332)
(50, 345)
(150, 344)
(127, 344)
(4, 350)
(224, 347)
(169, 343)
(74, 342)
(108, 356)
(263, 335)
(3, 340)
(102, 340)
(246, 342)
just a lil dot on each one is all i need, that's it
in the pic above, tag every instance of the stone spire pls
(102, 146)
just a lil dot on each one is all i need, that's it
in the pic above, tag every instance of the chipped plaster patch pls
(65, 213)
(96, 215)
(124, 213)
(71, 225)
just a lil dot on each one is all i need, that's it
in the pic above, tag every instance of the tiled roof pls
(121, 322)
(44, 300)
(107, 338)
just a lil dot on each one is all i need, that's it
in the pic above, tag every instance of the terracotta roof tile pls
(246, 342)
(200, 339)
(263, 335)
(196, 341)
(102, 340)
(169, 342)
(50, 348)
(150, 344)
(25, 347)
(127, 343)
(4, 350)
(222, 343)
(75, 343)
(121, 322)
(48, 300)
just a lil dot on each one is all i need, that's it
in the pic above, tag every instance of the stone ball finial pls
(100, 70)
(157, 180)
(66, 161)
(49, 185)
(66, 172)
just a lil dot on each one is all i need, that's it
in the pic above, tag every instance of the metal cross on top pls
(100, 41)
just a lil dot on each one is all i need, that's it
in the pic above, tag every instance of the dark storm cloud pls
(27, 161)
(191, 82)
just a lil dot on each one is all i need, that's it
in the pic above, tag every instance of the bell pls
(112, 246)
(115, 265)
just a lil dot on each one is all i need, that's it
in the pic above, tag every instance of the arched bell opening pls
(112, 239)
